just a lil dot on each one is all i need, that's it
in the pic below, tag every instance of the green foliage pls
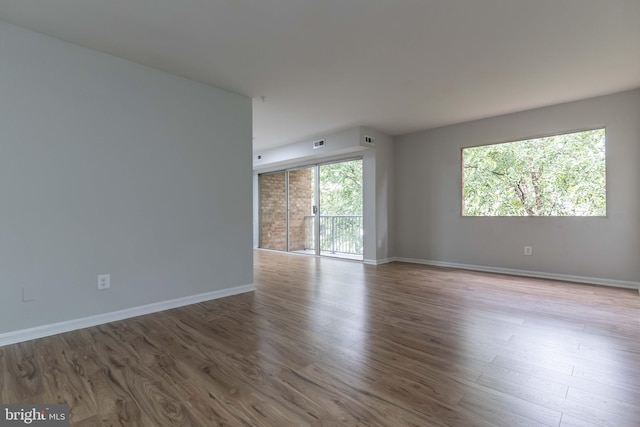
(341, 207)
(562, 175)
(341, 188)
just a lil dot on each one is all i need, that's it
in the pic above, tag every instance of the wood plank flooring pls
(327, 342)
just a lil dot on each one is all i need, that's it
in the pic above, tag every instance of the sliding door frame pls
(316, 201)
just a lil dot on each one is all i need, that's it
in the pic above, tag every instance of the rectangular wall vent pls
(318, 144)
(368, 140)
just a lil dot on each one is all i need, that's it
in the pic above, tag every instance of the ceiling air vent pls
(318, 144)
(368, 140)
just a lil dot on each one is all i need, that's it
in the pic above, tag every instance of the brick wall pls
(300, 204)
(273, 204)
(273, 211)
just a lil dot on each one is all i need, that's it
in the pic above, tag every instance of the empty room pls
(305, 213)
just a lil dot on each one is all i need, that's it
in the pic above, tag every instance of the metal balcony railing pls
(339, 234)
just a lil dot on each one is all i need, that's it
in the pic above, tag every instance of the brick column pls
(300, 205)
(273, 211)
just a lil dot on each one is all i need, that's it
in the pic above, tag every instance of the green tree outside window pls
(560, 175)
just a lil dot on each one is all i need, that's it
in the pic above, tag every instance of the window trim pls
(526, 138)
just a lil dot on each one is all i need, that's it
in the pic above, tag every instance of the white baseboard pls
(527, 273)
(379, 261)
(99, 319)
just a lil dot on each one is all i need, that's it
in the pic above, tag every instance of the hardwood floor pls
(327, 342)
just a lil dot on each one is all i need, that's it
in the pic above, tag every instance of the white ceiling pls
(395, 65)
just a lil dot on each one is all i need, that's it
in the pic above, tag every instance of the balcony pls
(340, 235)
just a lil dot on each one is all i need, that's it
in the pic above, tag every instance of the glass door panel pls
(273, 211)
(341, 226)
(302, 210)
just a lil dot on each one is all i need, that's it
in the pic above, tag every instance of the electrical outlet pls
(104, 281)
(528, 250)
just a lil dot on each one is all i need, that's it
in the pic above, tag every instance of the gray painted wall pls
(111, 167)
(430, 227)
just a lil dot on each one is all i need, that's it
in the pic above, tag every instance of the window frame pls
(537, 136)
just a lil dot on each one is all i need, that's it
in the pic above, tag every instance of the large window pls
(560, 175)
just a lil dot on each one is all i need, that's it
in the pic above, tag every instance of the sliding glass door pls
(341, 225)
(314, 210)
(302, 210)
(273, 210)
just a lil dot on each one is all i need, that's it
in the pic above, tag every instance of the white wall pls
(111, 167)
(337, 145)
(382, 196)
(430, 227)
